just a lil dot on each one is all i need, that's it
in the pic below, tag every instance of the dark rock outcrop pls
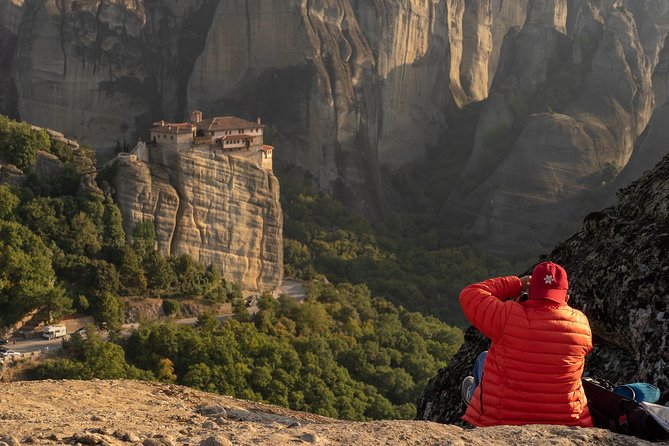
(618, 265)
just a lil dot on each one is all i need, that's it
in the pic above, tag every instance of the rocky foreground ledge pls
(150, 414)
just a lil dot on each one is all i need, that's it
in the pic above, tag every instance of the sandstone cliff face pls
(618, 273)
(356, 89)
(223, 211)
(350, 86)
(11, 13)
(102, 70)
(560, 125)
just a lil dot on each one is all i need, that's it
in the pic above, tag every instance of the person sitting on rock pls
(532, 372)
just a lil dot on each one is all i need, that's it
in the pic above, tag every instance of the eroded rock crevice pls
(223, 211)
(357, 90)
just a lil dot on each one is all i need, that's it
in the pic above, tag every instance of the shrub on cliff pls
(171, 307)
(8, 203)
(19, 143)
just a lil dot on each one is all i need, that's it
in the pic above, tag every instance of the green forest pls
(340, 353)
(403, 258)
(63, 247)
(355, 348)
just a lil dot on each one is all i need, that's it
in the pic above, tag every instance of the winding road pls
(290, 287)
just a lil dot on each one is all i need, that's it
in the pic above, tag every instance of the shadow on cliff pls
(9, 100)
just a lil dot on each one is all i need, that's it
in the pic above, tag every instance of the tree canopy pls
(341, 353)
(398, 259)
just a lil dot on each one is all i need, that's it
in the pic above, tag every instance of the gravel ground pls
(149, 414)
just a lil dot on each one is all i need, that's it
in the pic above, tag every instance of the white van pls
(54, 331)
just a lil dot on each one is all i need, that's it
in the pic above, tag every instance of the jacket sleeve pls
(484, 306)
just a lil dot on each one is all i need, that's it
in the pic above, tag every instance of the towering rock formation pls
(651, 146)
(560, 125)
(350, 86)
(223, 211)
(356, 89)
(344, 97)
(101, 71)
(618, 266)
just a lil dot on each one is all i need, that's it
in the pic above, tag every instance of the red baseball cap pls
(549, 281)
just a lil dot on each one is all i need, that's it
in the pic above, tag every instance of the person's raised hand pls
(525, 282)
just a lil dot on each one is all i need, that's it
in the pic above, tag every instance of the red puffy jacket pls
(532, 373)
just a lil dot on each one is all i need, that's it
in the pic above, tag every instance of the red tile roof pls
(226, 123)
(266, 148)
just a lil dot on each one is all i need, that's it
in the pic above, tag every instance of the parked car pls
(3, 349)
(3, 341)
(10, 353)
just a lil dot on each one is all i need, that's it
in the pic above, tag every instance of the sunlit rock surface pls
(223, 211)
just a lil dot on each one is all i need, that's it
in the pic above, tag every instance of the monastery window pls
(171, 137)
